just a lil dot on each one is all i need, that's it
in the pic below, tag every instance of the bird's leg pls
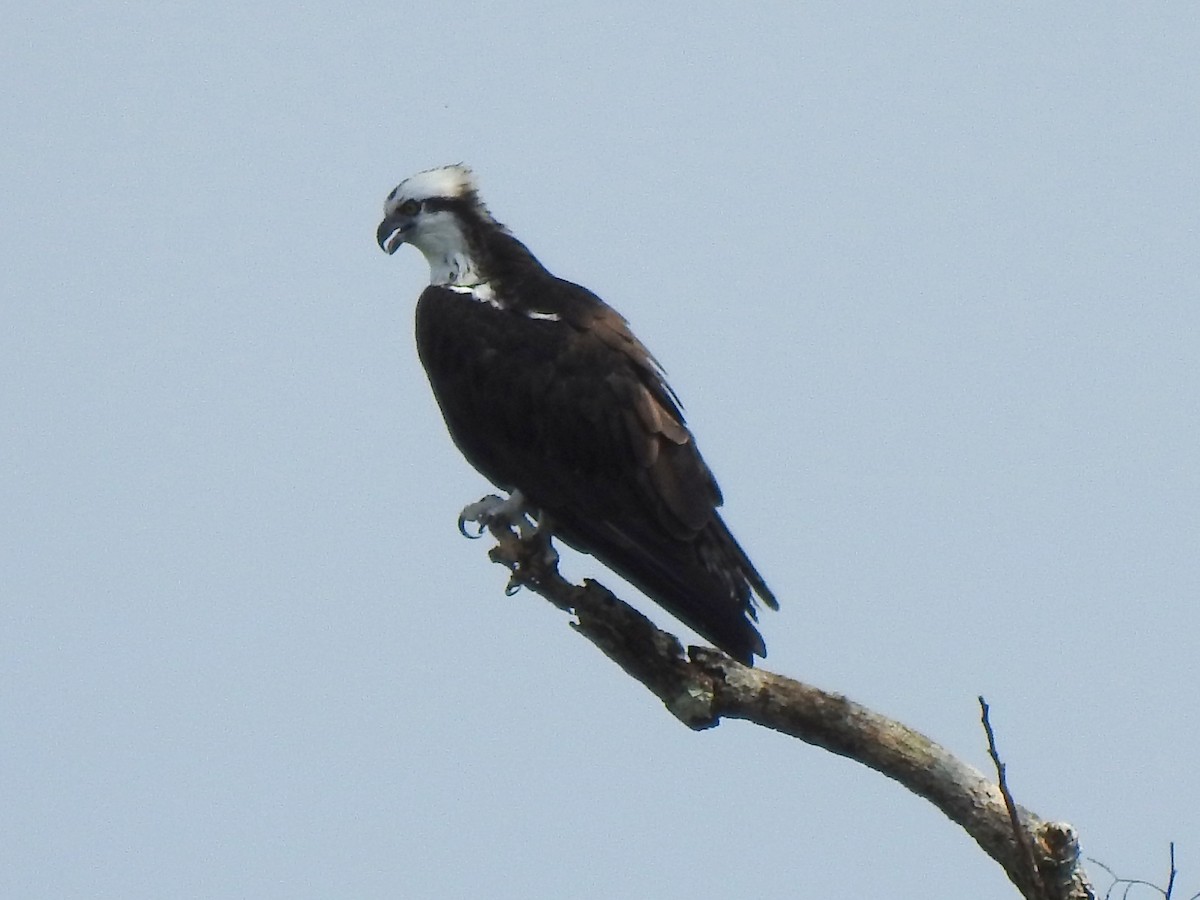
(543, 533)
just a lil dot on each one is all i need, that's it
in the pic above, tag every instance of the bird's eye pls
(409, 208)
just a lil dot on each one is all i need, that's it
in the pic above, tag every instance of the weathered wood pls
(700, 686)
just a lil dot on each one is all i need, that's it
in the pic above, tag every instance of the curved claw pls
(492, 510)
(462, 529)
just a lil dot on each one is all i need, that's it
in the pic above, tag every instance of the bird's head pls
(439, 212)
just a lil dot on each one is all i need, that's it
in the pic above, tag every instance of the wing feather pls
(578, 415)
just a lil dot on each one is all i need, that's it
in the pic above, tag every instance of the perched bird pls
(549, 395)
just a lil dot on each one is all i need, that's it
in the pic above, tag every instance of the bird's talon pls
(481, 514)
(480, 525)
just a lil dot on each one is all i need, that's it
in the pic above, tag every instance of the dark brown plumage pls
(545, 390)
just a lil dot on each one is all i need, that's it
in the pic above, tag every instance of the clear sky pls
(925, 276)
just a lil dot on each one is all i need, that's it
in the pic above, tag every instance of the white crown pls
(448, 181)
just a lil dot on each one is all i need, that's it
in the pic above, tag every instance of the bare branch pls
(701, 686)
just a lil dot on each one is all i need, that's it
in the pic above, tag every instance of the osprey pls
(549, 395)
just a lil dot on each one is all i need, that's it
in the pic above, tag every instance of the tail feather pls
(706, 583)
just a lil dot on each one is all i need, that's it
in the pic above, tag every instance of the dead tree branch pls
(701, 686)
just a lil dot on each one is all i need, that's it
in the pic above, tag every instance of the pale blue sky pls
(926, 279)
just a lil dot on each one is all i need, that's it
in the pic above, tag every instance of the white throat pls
(453, 268)
(447, 251)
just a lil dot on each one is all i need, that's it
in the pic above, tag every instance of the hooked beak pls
(391, 232)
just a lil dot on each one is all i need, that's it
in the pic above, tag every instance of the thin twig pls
(1019, 833)
(1129, 883)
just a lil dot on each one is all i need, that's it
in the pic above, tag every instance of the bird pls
(549, 395)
